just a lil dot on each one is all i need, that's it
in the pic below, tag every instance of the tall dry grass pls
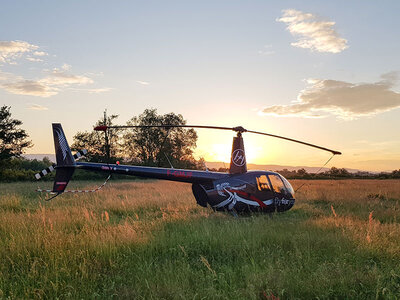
(122, 213)
(45, 239)
(367, 211)
(149, 239)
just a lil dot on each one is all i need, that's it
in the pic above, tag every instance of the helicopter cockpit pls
(275, 183)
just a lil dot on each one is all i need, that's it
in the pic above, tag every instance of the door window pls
(277, 184)
(263, 183)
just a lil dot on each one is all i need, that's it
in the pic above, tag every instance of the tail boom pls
(189, 176)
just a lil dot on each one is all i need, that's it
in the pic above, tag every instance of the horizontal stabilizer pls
(63, 175)
(50, 169)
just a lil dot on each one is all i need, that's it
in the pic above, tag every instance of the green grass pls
(149, 240)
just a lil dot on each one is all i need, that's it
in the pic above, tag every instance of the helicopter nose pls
(284, 204)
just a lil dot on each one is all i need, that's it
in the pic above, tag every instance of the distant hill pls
(218, 165)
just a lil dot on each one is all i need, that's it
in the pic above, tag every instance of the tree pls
(336, 172)
(13, 140)
(146, 146)
(302, 172)
(395, 174)
(102, 147)
(160, 146)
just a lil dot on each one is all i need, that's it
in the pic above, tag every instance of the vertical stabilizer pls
(63, 152)
(238, 156)
(65, 160)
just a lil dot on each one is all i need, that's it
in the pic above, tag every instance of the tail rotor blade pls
(50, 169)
(46, 171)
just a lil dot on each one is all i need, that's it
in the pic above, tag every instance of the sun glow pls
(221, 152)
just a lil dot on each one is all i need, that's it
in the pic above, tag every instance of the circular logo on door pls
(238, 157)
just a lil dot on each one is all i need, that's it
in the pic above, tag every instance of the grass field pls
(149, 240)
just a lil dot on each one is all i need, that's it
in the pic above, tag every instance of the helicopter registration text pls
(177, 173)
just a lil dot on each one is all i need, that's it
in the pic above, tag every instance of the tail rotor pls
(65, 166)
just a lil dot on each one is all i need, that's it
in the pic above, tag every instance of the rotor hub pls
(239, 129)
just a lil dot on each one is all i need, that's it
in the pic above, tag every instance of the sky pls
(325, 72)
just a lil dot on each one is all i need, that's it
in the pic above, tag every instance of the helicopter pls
(236, 191)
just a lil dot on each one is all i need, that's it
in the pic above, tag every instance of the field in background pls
(149, 240)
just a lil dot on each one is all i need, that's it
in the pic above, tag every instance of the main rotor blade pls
(103, 128)
(237, 129)
(296, 141)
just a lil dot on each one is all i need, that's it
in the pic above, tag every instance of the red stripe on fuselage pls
(250, 197)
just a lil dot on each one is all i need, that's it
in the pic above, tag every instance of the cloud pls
(48, 86)
(37, 107)
(54, 81)
(40, 53)
(66, 67)
(99, 90)
(34, 59)
(30, 88)
(94, 91)
(342, 99)
(62, 78)
(312, 32)
(4, 76)
(142, 82)
(11, 50)
(267, 50)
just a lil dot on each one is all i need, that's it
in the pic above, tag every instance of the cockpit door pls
(264, 186)
(283, 198)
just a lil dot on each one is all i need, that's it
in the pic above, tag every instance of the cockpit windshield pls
(274, 183)
(281, 186)
(288, 186)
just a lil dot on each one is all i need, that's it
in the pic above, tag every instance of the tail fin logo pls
(63, 142)
(238, 157)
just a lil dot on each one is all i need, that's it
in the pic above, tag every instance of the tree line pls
(159, 147)
(156, 147)
(332, 173)
(338, 173)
